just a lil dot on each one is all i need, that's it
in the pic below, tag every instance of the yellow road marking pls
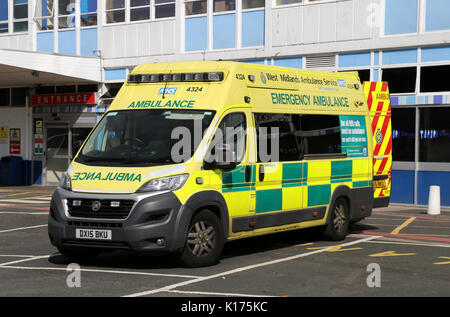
(403, 225)
(441, 263)
(335, 248)
(390, 253)
(304, 244)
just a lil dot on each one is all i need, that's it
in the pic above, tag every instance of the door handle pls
(248, 173)
(261, 173)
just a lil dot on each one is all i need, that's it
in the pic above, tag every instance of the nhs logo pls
(341, 83)
(167, 91)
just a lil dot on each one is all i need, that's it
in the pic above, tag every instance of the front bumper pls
(153, 217)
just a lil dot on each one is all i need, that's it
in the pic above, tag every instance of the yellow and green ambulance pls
(191, 155)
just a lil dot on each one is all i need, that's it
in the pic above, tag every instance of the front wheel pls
(337, 228)
(204, 240)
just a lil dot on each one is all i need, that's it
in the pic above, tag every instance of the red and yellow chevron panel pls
(379, 102)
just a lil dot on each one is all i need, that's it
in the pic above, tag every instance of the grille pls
(109, 208)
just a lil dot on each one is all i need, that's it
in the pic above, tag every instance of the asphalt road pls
(399, 251)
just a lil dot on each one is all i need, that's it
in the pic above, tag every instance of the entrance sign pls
(64, 99)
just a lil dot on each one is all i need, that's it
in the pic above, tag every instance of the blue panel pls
(3, 9)
(224, 31)
(402, 188)
(255, 61)
(376, 75)
(116, 74)
(88, 42)
(434, 54)
(295, 62)
(67, 43)
(427, 179)
(37, 172)
(376, 58)
(88, 6)
(437, 17)
(44, 42)
(399, 57)
(253, 28)
(354, 59)
(401, 17)
(195, 34)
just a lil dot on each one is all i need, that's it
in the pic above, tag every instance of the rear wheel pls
(204, 240)
(337, 228)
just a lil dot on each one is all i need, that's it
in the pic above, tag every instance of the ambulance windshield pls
(145, 137)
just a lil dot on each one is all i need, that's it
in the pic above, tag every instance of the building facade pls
(63, 61)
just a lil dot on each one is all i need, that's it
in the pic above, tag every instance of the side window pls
(276, 138)
(232, 132)
(318, 134)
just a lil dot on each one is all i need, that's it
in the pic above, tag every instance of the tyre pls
(204, 240)
(79, 255)
(337, 228)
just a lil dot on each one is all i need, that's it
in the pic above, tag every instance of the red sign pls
(63, 99)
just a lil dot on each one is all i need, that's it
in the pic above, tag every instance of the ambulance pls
(191, 155)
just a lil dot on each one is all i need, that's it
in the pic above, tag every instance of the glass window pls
(403, 134)
(431, 78)
(145, 137)
(434, 143)
(232, 132)
(20, 16)
(66, 14)
(140, 10)
(87, 88)
(195, 7)
(284, 2)
(401, 80)
(3, 10)
(251, 4)
(44, 15)
(3, 28)
(318, 134)
(19, 96)
(4, 97)
(88, 10)
(45, 90)
(115, 11)
(224, 5)
(65, 89)
(164, 9)
(276, 138)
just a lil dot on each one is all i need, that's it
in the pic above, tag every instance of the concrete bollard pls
(434, 201)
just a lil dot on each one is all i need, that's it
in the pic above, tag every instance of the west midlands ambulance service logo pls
(263, 78)
(378, 136)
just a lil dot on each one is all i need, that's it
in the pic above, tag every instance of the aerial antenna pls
(165, 86)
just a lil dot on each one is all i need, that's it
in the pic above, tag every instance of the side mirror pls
(224, 159)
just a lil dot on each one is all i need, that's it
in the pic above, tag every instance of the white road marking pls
(16, 256)
(217, 294)
(241, 269)
(23, 228)
(416, 244)
(24, 212)
(25, 260)
(24, 201)
(6, 266)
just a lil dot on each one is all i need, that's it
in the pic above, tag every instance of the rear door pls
(378, 100)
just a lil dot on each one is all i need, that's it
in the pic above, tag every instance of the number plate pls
(93, 234)
(379, 184)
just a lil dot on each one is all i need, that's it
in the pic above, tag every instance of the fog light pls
(160, 242)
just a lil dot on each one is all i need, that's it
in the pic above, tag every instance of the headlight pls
(164, 183)
(65, 182)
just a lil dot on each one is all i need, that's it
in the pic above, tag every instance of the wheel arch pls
(209, 199)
